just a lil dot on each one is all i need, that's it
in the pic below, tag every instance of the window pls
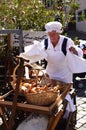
(79, 16)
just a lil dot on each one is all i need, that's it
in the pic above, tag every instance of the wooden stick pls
(3, 118)
(14, 105)
(5, 95)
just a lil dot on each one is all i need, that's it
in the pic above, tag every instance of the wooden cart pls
(55, 111)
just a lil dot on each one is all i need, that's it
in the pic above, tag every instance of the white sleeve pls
(76, 64)
(79, 50)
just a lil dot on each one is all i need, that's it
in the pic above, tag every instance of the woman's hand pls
(73, 50)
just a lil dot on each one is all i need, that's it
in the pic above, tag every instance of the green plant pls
(33, 14)
(30, 14)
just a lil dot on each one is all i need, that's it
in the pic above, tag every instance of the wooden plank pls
(9, 31)
(53, 121)
(27, 107)
(16, 92)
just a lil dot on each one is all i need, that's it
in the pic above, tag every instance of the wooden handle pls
(5, 95)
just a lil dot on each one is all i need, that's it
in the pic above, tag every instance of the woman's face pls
(54, 37)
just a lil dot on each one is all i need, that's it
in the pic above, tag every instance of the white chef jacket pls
(57, 67)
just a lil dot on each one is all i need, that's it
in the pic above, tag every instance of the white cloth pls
(76, 63)
(70, 107)
(34, 122)
(34, 52)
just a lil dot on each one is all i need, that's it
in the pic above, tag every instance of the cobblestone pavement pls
(81, 108)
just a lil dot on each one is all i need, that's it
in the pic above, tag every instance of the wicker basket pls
(39, 98)
(42, 99)
(43, 80)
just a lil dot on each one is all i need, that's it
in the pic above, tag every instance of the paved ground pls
(81, 108)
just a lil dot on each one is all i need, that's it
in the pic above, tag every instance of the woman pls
(57, 67)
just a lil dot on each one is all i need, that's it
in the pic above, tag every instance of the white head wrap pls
(50, 26)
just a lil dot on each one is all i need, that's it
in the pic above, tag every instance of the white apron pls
(57, 67)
